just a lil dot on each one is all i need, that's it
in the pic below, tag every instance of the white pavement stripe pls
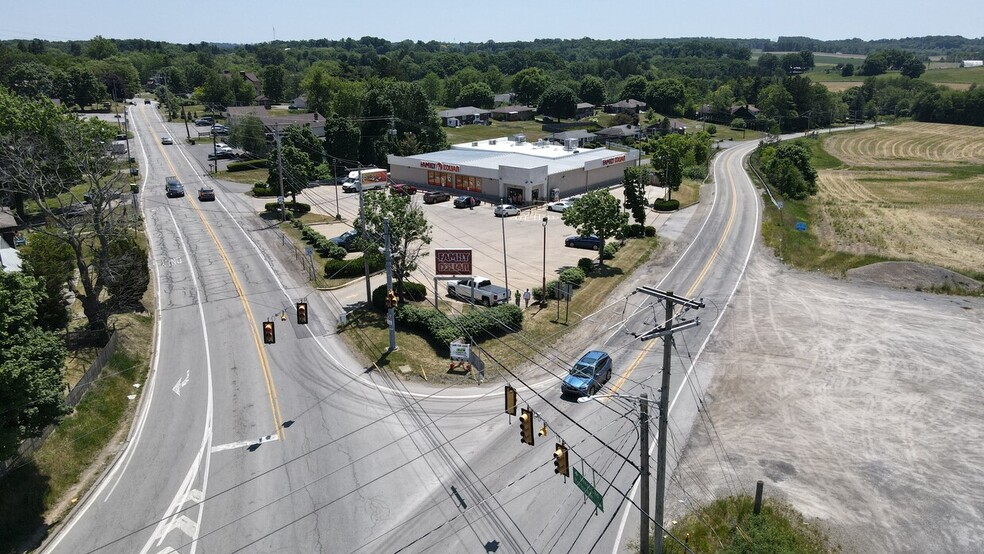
(244, 444)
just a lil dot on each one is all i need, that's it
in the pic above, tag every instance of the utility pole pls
(665, 330)
(391, 312)
(644, 473)
(505, 265)
(361, 226)
(280, 172)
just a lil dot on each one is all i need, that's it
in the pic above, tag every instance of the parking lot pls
(527, 239)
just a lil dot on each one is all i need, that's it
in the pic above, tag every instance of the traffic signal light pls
(560, 460)
(526, 426)
(391, 300)
(269, 335)
(510, 400)
(302, 313)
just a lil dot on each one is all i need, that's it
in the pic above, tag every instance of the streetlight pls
(505, 267)
(543, 290)
(643, 401)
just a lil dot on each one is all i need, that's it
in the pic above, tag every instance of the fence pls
(29, 446)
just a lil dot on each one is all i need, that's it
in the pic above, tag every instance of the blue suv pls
(588, 374)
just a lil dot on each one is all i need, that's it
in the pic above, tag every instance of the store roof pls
(510, 153)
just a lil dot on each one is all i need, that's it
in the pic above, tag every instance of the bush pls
(573, 275)
(633, 230)
(331, 250)
(260, 189)
(586, 264)
(666, 205)
(695, 172)
(650, 231)
(711, 129)
(296, 207)
(411, 291)
(336, 269)
(610, 249)
(481, 323)
(248, 164)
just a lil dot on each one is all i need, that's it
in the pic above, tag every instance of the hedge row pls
(261, 189)
(319, 242)
(666, 205)
(480, 324)
(636, 230)
(411, 291)
(248, 164)
(295, 207)
(335, 269)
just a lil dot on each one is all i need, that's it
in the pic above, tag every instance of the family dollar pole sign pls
(453, 262)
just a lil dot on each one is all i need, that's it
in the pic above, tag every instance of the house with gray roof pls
(629, 106)
(464, 115)
(621, 133)
(513, 113)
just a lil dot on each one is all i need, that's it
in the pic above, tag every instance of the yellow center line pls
(693, 288)
(254, 328)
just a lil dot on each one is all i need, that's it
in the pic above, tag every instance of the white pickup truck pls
(478, 289)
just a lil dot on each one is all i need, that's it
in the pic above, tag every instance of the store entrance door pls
(514, 195)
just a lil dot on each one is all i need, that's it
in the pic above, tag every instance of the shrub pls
(586, 265)
(573, 275)
(711, 129)
(331, 250)
(260, 189)
(296, 207)
(335, 269)
(411, 291)
(248, 164)
(695, 172)
(481, 323)
(610, 249)
(633, 230)
(666, 205)
(650, 231)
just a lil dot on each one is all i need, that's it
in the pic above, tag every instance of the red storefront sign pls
(453, 262)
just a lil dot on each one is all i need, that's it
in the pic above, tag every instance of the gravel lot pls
(855, 402)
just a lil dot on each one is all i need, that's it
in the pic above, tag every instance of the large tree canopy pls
(597, 213)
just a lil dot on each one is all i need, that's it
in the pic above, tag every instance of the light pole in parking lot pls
(505, 267)
(543, 290)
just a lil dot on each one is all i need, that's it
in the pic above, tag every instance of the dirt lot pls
(856, 403)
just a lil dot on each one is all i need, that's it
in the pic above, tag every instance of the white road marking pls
(244, 444)
(181, 383)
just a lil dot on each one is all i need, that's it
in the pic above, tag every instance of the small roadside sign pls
(801, 226)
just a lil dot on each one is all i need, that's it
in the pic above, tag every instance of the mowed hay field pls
(914, 192)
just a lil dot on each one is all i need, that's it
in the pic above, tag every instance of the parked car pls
(220, 130)
(402, 188)
(466, 202)
(173, 187)
(436, 196)
(146, 101)
(588, 374)
(506, 210)
(205, 194)
(212, 156)
(591, 242)
(166, 140)
(348, 240)
(560, 205)
(204, 122)
(19, 240)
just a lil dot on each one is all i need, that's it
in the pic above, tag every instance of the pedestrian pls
(518, 296)
(526, 296)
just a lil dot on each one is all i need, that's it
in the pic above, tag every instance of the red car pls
(401, 188)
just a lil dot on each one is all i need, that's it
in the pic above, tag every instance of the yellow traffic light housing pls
(269, 335)
(526, 426)
(560, 460)
(302, 314)
(510, 400)
(391, 300)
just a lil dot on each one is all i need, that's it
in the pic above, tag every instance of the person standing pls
(518, 296)
(526, 297)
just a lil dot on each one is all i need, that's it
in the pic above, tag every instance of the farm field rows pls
(911, 192)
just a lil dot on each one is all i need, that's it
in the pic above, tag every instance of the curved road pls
(241, 446)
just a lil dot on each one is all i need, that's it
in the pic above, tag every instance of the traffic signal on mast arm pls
(302, 313)
(526, 426)
(560, 460)
(391, 300)
(269, 335)
(510, 400)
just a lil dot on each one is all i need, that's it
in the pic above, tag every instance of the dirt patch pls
(914, 276)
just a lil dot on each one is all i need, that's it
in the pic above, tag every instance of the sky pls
(253, 21)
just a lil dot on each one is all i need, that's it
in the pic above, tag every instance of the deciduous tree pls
(409, 231)
(596, 213)
(558, 101)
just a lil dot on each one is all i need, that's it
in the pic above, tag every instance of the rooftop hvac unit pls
(539, 143)
(475, 144)
(570, 144)
(492, 142)
(519, 139)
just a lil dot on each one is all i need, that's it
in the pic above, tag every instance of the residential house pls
(580, 136)
(620, 133)
(9, 256)
(630, 106)
(676, 126)
(513, 113)
(314, 120)
(748, 112)
(465, 115)
(583, 109)
(250, 78)
(504, 98)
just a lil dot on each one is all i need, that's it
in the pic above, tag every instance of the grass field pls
(960, 78)
(911, 192)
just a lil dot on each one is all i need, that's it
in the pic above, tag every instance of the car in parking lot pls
(220, 130)
(590, 242)
(212, 156)
(146, 101)
(166, 140)
(506, 210)
(349, 240)
(204, 122)
(588, 374)
(173, 187)
(205, 194)
(466, 202)
(560, 205)
(436, 196)
(403, 188)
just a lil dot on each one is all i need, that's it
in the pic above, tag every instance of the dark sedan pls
(436, 196)
(466, 202)
(590, 242)
(349, 240)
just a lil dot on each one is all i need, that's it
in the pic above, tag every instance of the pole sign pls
(460, 351)
(453, 262)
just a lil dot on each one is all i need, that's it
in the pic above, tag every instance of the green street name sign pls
(588, 490)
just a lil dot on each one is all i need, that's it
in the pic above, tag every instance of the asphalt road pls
(241, 446)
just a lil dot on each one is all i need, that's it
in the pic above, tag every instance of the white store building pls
(513, 169)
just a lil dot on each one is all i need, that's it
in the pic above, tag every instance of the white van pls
(372, 179)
